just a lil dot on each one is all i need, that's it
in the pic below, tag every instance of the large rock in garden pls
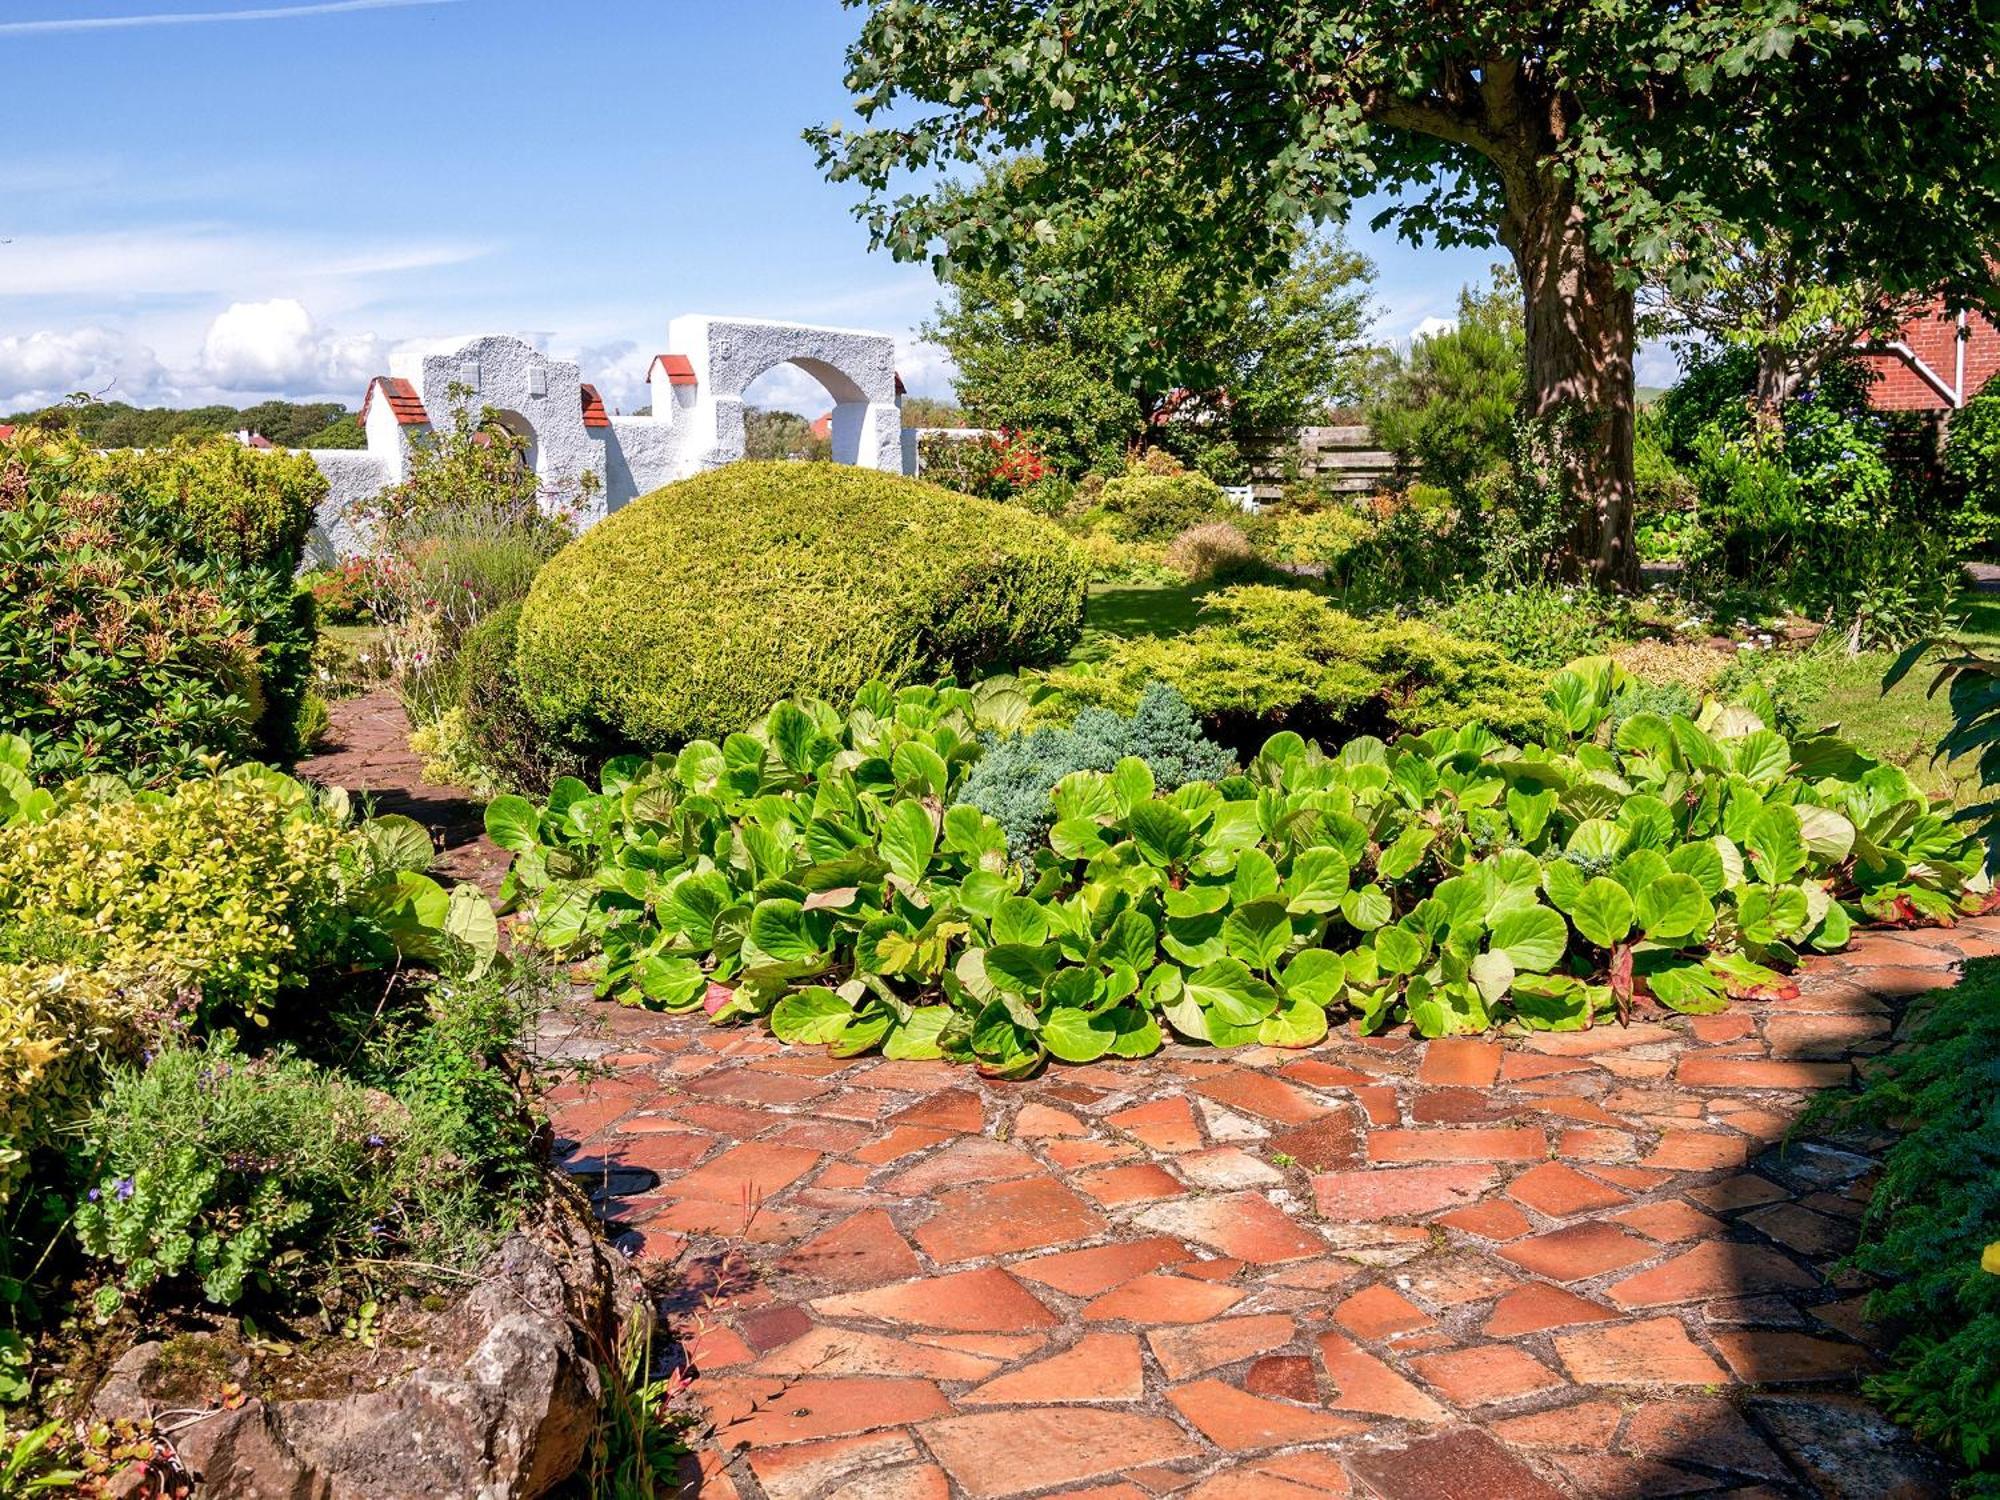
(689, 612)
(499, 1405)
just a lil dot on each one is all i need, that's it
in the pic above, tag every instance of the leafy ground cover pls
(824, 870)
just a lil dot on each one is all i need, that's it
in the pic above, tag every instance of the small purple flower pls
(123, 1188)
(95, 1195)
(376, 1143)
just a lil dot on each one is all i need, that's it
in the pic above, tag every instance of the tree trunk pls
(1581, 340)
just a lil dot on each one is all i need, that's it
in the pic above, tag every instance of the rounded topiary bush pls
(689, 612)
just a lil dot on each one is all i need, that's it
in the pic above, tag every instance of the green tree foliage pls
(1087, 378)
(781, 434)
(1586, 136)
(288, 424)
(927, 411)
(1447, 408)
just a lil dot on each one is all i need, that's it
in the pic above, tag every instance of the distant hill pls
(1648, 394)
(288, 424)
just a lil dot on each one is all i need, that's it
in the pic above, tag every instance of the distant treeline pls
(288, 424)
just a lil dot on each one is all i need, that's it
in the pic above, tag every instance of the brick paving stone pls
(1379, 1311)
(1039, 1122)
(1799, 1228)
(1563, 1192)
(1461, 1060)
(957, 1109)
(999, 1218)
(1288, 1377)
(1142, 1182)
(1486, 1374)
(1493, 1219)
(967, 1159)
(1657, 1351)
(1399, 1192)
(1696, 1151)
(1012, 1452)
(1769, 1356)
(1266, 1097)
(794, 1411)
(1669, 1222)
(1238, 1422)
(1612, 1476)
(1187, 1351)
(1330, 1141)
(909, 1482)
(1097, 1367)
(1318, 1471)
(1714, 1268)
(1709, 1431)
(857, 1351)
(1363, 1383)
(1579, 1252)
(1245, 1225)
(802, 1470)
(1164, 1124)
(1587, 1424)
(1523, 1143)
(1702, 1070)
(980, 1301)
(1160, 1298)
(864, 1250)
(1085, 1273)
(1463, 1465)
(1224, 1168)
(1744, 1191)
(1538, 1306)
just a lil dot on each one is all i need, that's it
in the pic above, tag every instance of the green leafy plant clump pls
(817, 870)
(1932, 1229)
(689, 611)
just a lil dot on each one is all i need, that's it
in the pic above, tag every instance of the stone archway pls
(858, 370)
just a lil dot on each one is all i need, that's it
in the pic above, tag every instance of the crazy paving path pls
(1563, 1265)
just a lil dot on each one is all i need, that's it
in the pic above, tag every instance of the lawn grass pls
(1125, 611)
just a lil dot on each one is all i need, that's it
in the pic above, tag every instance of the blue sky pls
(225, 200)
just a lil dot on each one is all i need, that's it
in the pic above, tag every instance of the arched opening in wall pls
(519, 435)
(803, 410)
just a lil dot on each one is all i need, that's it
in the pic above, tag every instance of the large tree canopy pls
(1587, 136)
(1064, 343)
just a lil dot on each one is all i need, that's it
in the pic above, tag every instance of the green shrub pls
(123, 915)
(1933, 1215)
(505, 748)
(1148, 507)
(151, 619)
(1451, 880)
(1972, 469)
(236, 1171)
(1267, 658)
(1015, 776)
(687, 611)
(1536, 625)
(1447, 408)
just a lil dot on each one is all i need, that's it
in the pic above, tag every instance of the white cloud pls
(1430, 327)
(195, 259)
(209, 17)
(276, 346)
(37, 369)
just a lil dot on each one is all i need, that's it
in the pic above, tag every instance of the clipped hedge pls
(803, 871)
(689, 611)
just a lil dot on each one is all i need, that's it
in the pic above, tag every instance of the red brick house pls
(1936, 362)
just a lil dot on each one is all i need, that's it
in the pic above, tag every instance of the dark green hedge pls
(690, 611)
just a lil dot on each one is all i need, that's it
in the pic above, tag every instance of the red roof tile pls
(593, 408)
(679, 371)
(404, 402)
(5, 433)
(901, 389)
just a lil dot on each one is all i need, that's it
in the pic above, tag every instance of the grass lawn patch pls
(1127, 611)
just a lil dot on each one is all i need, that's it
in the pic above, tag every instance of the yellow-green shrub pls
(690, 611)
(245, 505)
(227, 887)
(1152, 507)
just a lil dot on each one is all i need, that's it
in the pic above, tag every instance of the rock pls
(501, 1406)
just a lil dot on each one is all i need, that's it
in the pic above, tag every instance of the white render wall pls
(691, 428)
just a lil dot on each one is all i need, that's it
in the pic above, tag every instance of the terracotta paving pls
(1575, 1265)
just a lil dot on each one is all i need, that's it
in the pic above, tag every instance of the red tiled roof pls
(5, 433)
(593, 408)
(679, 371)
(404, 402)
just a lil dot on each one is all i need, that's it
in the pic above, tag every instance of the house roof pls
(593, 408)
(901, 389)
(5, 433)
(404, 402)
(679, 371)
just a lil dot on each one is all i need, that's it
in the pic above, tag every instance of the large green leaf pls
(909, 841)
(916, 1038)
(1674, 910)
(1532, 937)
(1020, 921)
(1298, 1023)
(1366, 907)
(1076, 1036)
(1162, 832)
(1232, 992)
(1603, 912)
(512, 823)
(1258, 934)
(1777, 847)
(814, 1015)
(1315, 975)
(785, 930)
